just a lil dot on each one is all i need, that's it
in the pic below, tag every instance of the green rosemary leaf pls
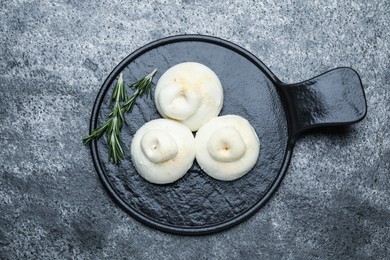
(119, 92)
(97, 133)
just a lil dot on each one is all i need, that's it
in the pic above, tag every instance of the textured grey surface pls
(334, 202)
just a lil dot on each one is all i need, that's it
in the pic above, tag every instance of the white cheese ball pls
(227, 147)
(190, 93)
(162, 151)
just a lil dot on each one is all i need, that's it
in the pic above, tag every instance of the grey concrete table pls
(334, 202)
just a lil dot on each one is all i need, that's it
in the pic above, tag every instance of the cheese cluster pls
(189, 97)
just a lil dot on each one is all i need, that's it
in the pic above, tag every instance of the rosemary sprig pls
(116, 119)
(142, 87)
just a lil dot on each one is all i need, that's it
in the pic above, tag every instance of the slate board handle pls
(335, 97)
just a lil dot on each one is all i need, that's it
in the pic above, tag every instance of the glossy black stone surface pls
(198, 204)
(334, 98)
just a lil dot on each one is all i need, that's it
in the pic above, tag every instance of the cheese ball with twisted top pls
(227, 147)
(162, 151)
(190, 93)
